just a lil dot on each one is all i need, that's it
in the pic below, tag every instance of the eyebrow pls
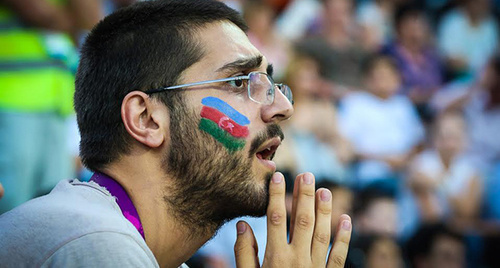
(270, 70)
(242, 64)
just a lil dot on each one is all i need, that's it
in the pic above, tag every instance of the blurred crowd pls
(397, 108)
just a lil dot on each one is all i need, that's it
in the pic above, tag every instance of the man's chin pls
(260, 202)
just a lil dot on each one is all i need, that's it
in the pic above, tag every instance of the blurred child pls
(337, 45)
(436, 246)
(375, 213)
(417, 59)
(260, 17)
(468, 36)
(376, 20)
(375, 251)
(443, 179)
(313, 141)
(375, 227)
(383, 127)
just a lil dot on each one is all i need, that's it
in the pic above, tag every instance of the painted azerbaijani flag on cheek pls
(224, 123)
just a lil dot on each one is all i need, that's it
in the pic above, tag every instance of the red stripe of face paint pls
(224, 122)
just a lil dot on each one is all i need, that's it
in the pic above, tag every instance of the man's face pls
(222, 173)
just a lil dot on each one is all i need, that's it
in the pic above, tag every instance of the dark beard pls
(211, 185)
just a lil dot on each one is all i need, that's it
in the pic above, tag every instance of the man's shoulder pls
(102, 249)
(70, 211)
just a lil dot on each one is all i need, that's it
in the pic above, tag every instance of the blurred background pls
(397, 113)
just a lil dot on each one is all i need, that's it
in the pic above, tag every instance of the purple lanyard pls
(122, 198)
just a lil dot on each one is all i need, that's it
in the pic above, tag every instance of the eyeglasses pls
(260, 87)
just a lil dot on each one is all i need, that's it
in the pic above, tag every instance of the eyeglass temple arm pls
(198, 83)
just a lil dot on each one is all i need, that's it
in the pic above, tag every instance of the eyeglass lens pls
(261, 88)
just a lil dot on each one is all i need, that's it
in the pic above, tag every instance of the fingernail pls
(346, 225)
(325, 195)
(277, 178)
(308, 179)
(241, 227)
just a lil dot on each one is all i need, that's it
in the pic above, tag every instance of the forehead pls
(222, 43)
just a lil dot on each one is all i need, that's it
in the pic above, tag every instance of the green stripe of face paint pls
(232, 144)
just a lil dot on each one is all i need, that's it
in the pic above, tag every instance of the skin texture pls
(190, 184)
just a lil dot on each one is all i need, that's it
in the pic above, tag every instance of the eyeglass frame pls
(236, 78)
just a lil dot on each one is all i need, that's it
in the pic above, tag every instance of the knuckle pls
(345, 239)
(308, 193)
(304, 221)
(276, 192)
(337, 260)
(276, 218)
(323, 238)
(325, 210)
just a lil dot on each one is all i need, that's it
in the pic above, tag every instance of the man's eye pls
(236, 83)
(270, 91)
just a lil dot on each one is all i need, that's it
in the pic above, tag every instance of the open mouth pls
(268, 153)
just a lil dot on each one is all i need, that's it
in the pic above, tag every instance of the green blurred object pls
(36, 67)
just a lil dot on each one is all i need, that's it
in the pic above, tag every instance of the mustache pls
(270, 132)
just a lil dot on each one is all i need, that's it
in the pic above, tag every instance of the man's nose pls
(281, 109)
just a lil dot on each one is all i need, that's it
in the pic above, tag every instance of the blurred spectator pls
(483, 116)
(383, 127)
(375, 251)
(480, 101)
(445, 183)
(260, 19)
(37, 62)
(468, 36)
(436, 246)
(376, 19)
(375, 229)
(417, 61)
(375, 213)
(297, 18)
(312, 142)
(337, 47)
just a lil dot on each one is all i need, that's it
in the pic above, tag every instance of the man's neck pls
(171, 242)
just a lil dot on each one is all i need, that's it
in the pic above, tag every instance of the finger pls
(245, 248)
(322, 229)
(294, 203)
(304, 218)
(338, 253)
(276, 213)
(1, 191)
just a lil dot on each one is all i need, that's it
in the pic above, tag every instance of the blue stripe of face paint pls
(225, 108)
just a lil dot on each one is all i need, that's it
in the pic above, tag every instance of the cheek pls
(224, 123)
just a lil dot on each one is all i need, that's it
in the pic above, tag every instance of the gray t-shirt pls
(78, 224)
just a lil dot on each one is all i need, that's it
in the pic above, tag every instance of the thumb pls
(245, 248)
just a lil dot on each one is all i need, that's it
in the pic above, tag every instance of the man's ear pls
(144, 119)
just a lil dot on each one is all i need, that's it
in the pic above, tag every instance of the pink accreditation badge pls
(122, 199)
